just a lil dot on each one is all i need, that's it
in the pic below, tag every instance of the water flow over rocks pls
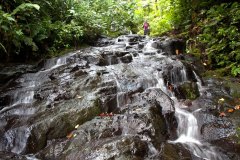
(125, 98)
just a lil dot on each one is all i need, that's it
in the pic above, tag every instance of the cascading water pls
(188, 130)
(189, 134)
(132, 78)
(21, 101)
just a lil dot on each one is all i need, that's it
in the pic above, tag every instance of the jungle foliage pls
(38, 28)
(34, 28)
(212, 34)
(209, 27)
(220, 37)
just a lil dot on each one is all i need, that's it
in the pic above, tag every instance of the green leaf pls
(8, 17)
(4, 27)
(2, 46)
(235, 70)
(24, 6)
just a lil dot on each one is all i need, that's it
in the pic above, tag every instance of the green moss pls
(55, 53)
(235, 89)
(217, 73)
(169, 152)
(190, 90)
(238, 134)
(89, 112)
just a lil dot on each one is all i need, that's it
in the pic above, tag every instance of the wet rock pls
(121, 53)
(109, 102)
(132, 43)
(229, 146)
(214, 128)
(80, 73)
(187, 102)
(74, 69)
(189, 90)
(4, 101)
(12, 156)
(8, 73)
(108, 90)
(126, 59)
(129, 134)
(53, 149)
(52, 77)
(91, 59)
(58, 126)
(179, 152)
(38, 96)
(149, 53)
(103, 41)
(140, 45)
(170, 46)
(155, 45)
(118, 95)
(121, 148)
(100, 138)
(108, 60)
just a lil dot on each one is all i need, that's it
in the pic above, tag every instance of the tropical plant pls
(222, 42)
(40, 27)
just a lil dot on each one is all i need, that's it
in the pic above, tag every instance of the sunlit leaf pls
(76, 126)
(70, 135)
(221, 100)
(24, 7)
(230, 110)
(237, 107)
(2, 46)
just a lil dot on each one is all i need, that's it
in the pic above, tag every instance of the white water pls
(199, 83)
(189, 135)
(119, 90)
(18, 137)
(188, 130)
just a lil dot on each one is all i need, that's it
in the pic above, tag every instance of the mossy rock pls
(171, 152)
(189, 90)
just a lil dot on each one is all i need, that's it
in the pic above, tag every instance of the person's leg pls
(148, 32)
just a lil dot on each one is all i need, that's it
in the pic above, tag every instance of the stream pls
(132, 97)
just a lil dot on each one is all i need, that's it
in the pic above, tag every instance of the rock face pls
(111, 101)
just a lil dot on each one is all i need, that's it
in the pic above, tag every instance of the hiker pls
(146, 28)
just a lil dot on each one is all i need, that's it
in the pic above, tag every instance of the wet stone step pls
(121, 53)
(149, 53)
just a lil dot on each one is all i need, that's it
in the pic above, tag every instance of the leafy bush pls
(221, 36)
(41, 27)
(12, 32)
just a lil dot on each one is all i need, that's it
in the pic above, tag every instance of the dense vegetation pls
(212, 34)
(38, 28)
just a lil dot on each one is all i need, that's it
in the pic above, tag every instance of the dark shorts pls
(146, 32)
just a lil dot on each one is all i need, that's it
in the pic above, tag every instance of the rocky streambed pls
(132, 97)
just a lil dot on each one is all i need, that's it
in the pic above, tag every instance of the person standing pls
(146, 28)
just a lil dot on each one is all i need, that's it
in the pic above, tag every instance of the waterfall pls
(119, 94)
(199, 83)
(188, 130)
(189, 133)
(142, 91)
(23, 97)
